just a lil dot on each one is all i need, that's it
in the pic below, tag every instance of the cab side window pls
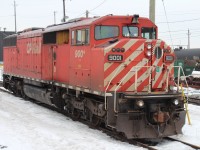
(80, 37)
(73, 42)
(62, 37)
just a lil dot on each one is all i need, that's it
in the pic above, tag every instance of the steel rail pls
(1, 83)
(184, 142)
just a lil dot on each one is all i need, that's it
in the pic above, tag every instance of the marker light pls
(118, 49)
(113, 49)
(149, 46)
(148, 53)
(122, 49)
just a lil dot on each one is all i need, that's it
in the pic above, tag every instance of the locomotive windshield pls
(104, 32)
(149, 33)
(129, 31)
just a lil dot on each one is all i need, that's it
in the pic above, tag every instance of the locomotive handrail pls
(135, 69)
(149, 72)
(109, 84)
(180, 68)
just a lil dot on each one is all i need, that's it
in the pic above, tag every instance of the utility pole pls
(87, 13)
(15, 16)
(188, 34)
(64, 15)
(54, 13)
(152, 10)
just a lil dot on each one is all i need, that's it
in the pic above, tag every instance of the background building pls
(3, 34)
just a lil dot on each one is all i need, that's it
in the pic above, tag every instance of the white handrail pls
(180, 68)
(105, 98)
(135, 68)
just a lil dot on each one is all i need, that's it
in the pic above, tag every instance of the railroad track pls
(195, 101)
(197, 147)
(117, 136)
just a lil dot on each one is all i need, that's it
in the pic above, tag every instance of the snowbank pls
(1, 72)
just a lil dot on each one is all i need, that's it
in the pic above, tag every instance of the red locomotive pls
(112, 70)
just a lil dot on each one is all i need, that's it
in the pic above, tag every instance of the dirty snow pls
(1, 72)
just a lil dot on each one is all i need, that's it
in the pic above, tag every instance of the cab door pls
(80, 58)
(61, 57)
(157, 63)
(47, 62)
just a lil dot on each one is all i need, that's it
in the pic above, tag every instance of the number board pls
(115, 58)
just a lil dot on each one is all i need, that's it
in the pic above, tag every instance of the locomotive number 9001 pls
(115, 58)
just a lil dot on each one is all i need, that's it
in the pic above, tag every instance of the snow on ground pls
(196, 73)
(27, 126)
(192, 132)
(1, 72)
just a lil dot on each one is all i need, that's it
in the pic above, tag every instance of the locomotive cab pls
(138, 73)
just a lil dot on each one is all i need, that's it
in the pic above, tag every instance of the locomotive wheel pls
(76, 114)
(95, 120)
(24, 95)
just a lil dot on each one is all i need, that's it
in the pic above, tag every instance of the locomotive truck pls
(110, 70)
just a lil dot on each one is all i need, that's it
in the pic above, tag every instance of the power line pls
(98, 5)
(54, 14)
(182, 33)
(195, 36)
(94, 8)
(167, 23)
(180, 21)
(64, 15)
(15, 16)
(188, 34)
(179, 13)
(180, 30)
(7, 16)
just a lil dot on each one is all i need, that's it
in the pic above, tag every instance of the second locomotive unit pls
(112, 70)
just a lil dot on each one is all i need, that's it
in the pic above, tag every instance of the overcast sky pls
(181, 15)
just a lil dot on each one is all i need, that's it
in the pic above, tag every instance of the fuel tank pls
(38, 94)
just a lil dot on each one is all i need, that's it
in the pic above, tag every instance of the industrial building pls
(3, 34)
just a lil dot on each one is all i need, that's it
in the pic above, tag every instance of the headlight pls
(176, 102)
(140, 103)
(148, 53)
(149, 46)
